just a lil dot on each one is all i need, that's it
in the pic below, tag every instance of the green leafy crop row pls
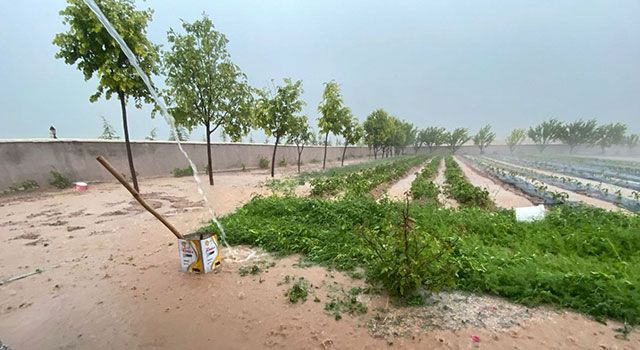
(423, 188)
(458, 188)
(365, 180)
(578, 257)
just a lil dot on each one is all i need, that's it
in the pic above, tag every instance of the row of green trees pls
(577, 133)
(204, 88)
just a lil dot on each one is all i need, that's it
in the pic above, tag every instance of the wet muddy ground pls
(110, 280)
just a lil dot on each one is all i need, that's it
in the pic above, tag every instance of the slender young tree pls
(300, 136)
(275, 111)
(108, 131)
(334, 115)
(181, 134)
(352, 134)
(578, 133)
(545, 133)
(88, 45)
(484, 137)
(152, 135)
(516, 138)
(205, 86)
(456, 138)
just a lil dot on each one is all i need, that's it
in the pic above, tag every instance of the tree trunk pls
(273, 157)
(344, 151)
(324, 159)
(301, 149)
(125, 126)
(209, 163)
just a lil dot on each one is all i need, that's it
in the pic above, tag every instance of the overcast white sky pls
(445, 63)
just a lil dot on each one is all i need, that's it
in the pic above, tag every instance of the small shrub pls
(298, 291)
(243, 168)
(314, 161)
(28, 185)
(180, 172)
(282, 162)
(406, 259)
(263, 163)
(58, 180)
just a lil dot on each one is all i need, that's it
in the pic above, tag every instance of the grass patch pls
(180, 172)
(582, 258)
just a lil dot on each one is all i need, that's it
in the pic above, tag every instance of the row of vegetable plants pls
(574, 185)
(579, 257)
(530, 187)
(423, 189)
(618, 165)
(458, 188)
(590, 172)
(363, 181)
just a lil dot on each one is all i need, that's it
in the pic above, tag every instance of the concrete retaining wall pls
(22, 160)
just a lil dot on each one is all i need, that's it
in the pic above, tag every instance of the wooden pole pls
(137, 196)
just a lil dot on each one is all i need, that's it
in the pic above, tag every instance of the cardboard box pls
(199, 253)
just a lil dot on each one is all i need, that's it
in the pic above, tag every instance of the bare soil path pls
(111, 281)
(440, 181)
(398, 189)
(501, 196)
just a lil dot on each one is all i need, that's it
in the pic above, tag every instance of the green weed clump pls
(58, 180)
(348, 302)
(582, 258)
(24, 186)
(180, 172)
(263, 163)
(298, 291)
(458, 188)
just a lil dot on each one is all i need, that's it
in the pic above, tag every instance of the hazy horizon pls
(454, 64)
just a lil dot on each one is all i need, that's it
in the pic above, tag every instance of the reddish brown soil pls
(111, 281)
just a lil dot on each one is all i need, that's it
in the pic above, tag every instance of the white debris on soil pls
(452, 311)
